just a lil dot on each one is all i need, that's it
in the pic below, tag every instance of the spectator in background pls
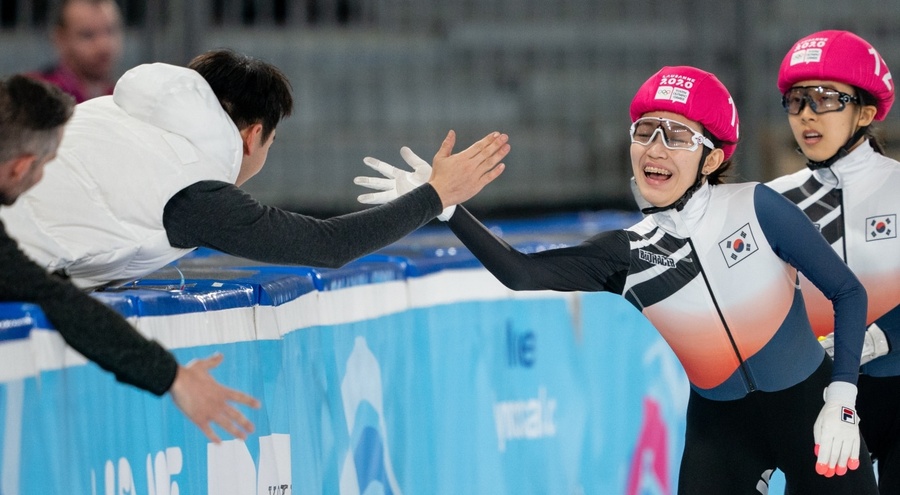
(87, 35)
(32, 116)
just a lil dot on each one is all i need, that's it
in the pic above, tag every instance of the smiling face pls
(820, 136)
(662, 174)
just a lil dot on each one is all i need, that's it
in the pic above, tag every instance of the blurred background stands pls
(373, 75)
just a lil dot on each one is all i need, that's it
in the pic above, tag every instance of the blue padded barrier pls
(410, 370)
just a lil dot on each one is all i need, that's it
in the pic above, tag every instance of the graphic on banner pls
(231, 470)
(118, 477)
(649, 474)
(881, 227)
(525, 419)
(520, 347)
(368, 459)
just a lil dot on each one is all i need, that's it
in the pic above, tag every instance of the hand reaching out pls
(203, 400)
(460, 176)
(456, 178)
(398, 181)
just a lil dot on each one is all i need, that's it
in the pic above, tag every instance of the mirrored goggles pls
(820, 100)
(675, 135)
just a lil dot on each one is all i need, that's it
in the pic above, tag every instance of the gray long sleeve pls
(221, 216)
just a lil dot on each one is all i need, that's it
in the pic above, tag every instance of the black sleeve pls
(87, 325)
(220, 216)
(598, 264)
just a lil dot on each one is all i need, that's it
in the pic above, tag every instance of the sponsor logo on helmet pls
(808, 51)
(674, 87)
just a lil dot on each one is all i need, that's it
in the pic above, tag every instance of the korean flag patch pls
(738, 245)
(881, 227)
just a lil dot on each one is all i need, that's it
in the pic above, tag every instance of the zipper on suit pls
(743, 366)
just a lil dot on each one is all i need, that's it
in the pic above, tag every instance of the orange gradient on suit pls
(883, 290)
(698, 336)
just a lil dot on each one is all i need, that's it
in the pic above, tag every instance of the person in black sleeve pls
(144, 176)
(32, 118)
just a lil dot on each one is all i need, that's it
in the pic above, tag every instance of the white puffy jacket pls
(98, 212)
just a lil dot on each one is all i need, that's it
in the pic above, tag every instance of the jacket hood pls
(178, 100)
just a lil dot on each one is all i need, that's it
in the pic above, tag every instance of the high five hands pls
(456, 177)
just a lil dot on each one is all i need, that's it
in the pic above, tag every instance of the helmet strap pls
(841, 153)
(680, 202)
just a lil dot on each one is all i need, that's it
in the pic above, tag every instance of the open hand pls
(458, 177)
(203, 400)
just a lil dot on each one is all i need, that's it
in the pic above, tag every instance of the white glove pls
(875, 344)
(398, 182)
(836, 431)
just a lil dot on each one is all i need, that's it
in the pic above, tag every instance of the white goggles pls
(675, 135)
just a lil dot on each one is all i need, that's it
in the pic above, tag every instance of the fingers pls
(825, 462)
(495, 151)
(383, 168)
(242, 398)
(206, 363)
(413, 159)
(232, 421)
(376, 198)
(210, 434)
(836, 458)
(485, 147)
(375, 183)
(447, 146)
(228, 418)
(849, 458)
(493, 173)
(203, 400)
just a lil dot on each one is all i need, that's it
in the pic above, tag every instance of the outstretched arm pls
(221, 216)
(598, 264)
(104, 337)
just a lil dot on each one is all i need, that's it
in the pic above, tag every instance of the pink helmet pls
(694, 93)
(843, 57)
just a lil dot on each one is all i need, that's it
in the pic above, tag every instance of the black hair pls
(866, 99)
(719, 175)
(250, 90)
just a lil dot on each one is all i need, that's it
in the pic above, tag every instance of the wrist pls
(447, 213)
(843, 392)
